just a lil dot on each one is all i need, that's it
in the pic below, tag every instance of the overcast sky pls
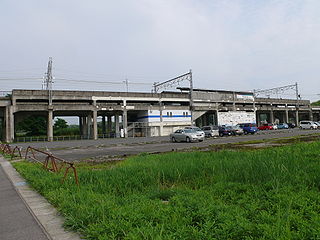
(231, 45)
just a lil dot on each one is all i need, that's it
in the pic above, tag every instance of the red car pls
(267, 126)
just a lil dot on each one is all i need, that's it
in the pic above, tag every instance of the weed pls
(269, 193)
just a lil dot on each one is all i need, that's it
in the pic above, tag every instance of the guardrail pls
(55, 138)
(50, 162)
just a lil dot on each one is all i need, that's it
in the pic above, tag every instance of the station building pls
(134, 114)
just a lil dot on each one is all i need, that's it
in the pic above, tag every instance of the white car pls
(318, 124)
(198, 130)
(308, 125)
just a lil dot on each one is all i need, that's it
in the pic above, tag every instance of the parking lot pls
(108, 148)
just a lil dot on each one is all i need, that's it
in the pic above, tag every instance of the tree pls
(33, 126)
(316, 103)
(60, 124)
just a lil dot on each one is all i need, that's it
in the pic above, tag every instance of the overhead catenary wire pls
(100, 82)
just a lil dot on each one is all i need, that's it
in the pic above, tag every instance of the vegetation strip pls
(270, 193)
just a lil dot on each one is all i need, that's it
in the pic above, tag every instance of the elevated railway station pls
(130, 114)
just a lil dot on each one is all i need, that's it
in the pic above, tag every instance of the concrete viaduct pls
(122, 109)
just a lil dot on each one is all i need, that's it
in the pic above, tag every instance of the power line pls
(11, 79)
(100, 82)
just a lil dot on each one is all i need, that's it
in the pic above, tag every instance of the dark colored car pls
(224, 131)
(291, 125)
(236, 130)
(248, 128)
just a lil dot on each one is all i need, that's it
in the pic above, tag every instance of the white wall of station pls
(235, 117)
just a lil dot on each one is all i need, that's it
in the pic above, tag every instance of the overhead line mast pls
(48, 81)
(174, 82)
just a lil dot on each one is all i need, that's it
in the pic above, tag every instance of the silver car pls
(186, 135)
(197, 129)
(211, 131)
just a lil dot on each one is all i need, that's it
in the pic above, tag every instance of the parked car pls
(318, 123)
(283, 126)
(308, 125)
(275, 127)
(291, 125)
(186, 135)
(224, 131)
(236, 130)
(211, 131)
(248, 127)
(267, 126)
(197, 129)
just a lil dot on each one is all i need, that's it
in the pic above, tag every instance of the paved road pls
(84, 149)
(16, 222)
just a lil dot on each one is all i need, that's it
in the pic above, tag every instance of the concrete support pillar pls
(310, 116)
(109, 125)
(125, 122)
(297, 117)
(125, 119)
(80, 126)
(234, 102)
(9, 124)
(271, 117)
(84, 130)
(95, 125)
(286, 116)
(257, 118)
(50, 126)
(161, 119)
(103, 125)
(89, 125)
(116, 118)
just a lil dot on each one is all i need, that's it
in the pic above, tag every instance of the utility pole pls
(191, 97)
(127, 84)
(48, 81)
(297, 94)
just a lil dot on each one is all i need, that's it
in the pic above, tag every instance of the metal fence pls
(135, 129)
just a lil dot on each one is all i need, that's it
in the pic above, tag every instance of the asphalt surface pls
(16, 222)
(103, 148)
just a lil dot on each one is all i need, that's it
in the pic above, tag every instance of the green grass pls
(264, 194)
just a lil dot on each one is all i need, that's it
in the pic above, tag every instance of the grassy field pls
(263, 194)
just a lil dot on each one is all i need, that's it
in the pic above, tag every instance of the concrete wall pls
(233, 118)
